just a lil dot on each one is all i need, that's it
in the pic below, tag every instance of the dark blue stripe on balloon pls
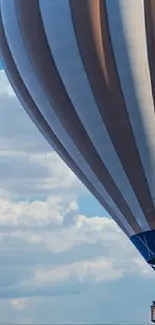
(145, 243)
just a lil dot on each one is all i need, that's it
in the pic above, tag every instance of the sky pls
(62, 258)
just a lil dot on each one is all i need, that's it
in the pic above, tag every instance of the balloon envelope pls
(85, 73)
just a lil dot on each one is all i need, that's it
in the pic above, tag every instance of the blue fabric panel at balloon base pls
(145, 243)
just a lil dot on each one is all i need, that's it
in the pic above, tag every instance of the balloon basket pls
(153, 312)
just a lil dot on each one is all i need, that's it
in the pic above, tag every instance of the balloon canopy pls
(84, 71)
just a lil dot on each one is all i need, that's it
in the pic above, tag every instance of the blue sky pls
(63, 259)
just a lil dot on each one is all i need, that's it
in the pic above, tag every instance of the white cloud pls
(18, 304)
(28, 165)
(38, 227)
(94, 270)
(31, 213)
(5, 88)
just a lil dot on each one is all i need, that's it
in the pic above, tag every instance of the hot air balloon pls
(85, 73)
